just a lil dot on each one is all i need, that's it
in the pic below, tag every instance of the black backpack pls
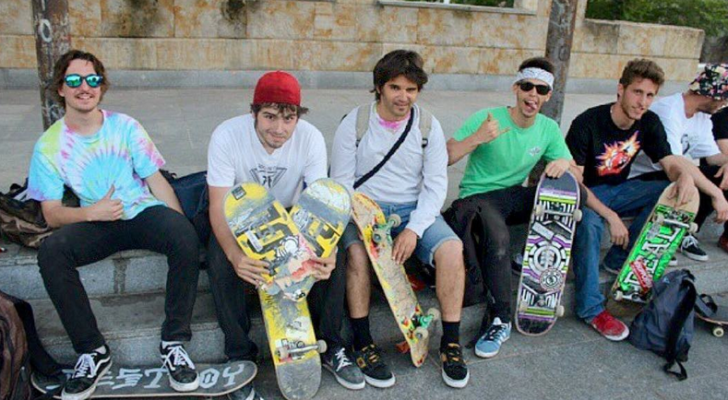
(665, 325)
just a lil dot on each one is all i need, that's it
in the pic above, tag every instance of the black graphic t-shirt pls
(607, 152)
(720, 124)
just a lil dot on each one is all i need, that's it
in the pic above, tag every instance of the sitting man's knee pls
(358, 259)
(450, 254)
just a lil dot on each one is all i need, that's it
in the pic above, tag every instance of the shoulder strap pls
(362, 121)
(386, 158)
(425, 125)
(676, 327)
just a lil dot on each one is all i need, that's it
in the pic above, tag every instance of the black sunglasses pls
(75, 80)
(540, 89)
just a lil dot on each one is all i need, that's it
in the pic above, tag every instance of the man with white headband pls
(604, 141)
(688, 126)
(504, 144)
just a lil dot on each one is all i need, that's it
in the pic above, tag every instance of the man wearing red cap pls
(275, 148)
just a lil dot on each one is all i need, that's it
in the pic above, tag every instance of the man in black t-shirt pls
(720, 129)
(604, 141)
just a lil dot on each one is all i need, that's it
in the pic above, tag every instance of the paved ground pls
(571, 362)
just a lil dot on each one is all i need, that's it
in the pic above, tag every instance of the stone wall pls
(340, 35)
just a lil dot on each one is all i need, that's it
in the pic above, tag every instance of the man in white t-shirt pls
(275, 148)
(412, 184)
(687, 120)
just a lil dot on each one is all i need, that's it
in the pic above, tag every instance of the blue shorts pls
(433, 237)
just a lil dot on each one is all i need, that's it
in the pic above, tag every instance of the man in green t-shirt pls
(504, 144)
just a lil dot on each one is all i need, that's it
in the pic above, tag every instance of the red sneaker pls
(723, 243)
(610, 327)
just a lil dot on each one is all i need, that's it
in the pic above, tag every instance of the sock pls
(101, 350)
(502, 310)
(450, 333)
(362, 336)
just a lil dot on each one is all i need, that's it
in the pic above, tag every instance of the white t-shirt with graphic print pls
(236, 155)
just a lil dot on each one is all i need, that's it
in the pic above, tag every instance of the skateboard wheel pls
(322, 347)
(395, 220)
(421, 333)
(538, 210)
(618, 295)
(282, 353)
(577, 215)
(434, 313)
(560, 311)
(693, 227)
(377, 237)
(718, 331)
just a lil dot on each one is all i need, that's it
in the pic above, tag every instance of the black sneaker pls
(690, 247)
(376, 372)
(182, 374)
(89, 368)
(346, 373)
(454, 370)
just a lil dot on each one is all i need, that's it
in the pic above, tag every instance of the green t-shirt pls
(507, 160)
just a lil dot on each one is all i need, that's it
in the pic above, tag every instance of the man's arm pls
(687, 176)
(343, 151)
(162, 190)
(722, 145)
(106, 209)
(486, 133)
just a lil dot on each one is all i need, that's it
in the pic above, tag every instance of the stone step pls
(131, 322)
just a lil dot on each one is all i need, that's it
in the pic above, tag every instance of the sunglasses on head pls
(540, 89)
(75, 80)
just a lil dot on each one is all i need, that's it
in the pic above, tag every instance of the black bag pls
(191, 191)
(665, 325)
(21, 218)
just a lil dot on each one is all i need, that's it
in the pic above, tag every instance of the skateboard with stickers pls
(131, 382)
(375, 231)
(287, 241)
(659, 239)
(547, 254)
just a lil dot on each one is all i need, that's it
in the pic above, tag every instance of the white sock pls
(166, 344)
(101, 350)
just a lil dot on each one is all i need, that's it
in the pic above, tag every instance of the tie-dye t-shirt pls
(119, 154)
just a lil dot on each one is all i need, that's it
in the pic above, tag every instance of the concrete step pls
(131, 322)
(127, 272)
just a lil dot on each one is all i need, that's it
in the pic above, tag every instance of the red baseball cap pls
(277, 87)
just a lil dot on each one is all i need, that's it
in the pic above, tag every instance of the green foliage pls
(709, 15)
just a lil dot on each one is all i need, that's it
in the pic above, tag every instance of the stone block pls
(684, 42)
(16, 18)
(240, 55)
(679, 69)
(210, 18)
(344, 56)
(507, 31)
(137, 18)
(398, 25)
(268, 54)
(598, 66)
(443, 27)
(451, 60)
(596, 36)
(279, 19)
(645, 40)
(18, 52)
(504, 61)
(84, 17)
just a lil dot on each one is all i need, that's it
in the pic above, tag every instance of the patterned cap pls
(712, 82)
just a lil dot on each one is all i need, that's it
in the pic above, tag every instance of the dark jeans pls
(326, 303)
(158, 229)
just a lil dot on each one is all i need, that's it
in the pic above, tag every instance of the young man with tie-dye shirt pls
(111, 164)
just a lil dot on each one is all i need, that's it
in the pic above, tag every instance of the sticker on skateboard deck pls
(130, 382)
(547, 254)
(375, 231)
(252, 212)
(659, 239)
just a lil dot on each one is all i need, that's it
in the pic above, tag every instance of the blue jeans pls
(433, 237)
(631, 198)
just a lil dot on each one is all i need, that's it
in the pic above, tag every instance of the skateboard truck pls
(422, 324)
(284, 352)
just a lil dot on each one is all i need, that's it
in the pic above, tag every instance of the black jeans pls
(499, 209)
(325, 300)
(158, 229)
